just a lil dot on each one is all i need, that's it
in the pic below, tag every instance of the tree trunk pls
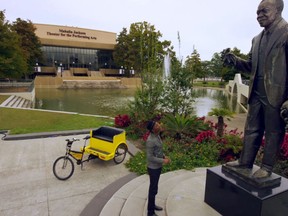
(220, 127)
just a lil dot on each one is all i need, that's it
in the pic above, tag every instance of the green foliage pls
(12, 59)
(281, 168)
(179, 126)
(232, 146)
(141, 47)
(29, 42)
(206, 70)
(193, 64)
(177, 97)
(198, 148)
(146, 99)
(137, 163)
(19, 48)
(182, 155)
(217, 67)
(220, 113)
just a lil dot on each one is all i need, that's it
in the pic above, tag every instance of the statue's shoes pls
(237, 164)
(261, 173)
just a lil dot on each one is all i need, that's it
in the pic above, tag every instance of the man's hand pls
(166, 160)
(228, 58)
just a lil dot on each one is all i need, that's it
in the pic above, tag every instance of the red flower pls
(284, 147)
(205, 135)
(122, 121)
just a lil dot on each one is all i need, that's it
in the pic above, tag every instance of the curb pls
(43, 135)
(132, 150)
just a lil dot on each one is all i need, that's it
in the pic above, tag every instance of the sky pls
(209, 26)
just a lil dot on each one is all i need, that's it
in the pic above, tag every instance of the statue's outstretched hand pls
(228, 58)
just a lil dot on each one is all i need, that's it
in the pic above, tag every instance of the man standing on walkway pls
(268, 66)
(155, 160)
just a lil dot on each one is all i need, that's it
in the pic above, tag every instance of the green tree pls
(177, 97)
(206, 69)
(147, 98)
(220, 113)
(141, 47)
(30, 43)
(12, 59)
(193, 64)
(217, 67)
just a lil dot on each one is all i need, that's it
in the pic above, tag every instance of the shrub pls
(137, 163)
(122, 121)
(179, 126)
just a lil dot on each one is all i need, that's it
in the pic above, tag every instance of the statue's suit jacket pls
(276, 64)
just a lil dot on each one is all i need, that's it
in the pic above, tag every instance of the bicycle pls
(63, 167)
(106, 143)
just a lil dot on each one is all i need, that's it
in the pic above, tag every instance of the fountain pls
(166, 66)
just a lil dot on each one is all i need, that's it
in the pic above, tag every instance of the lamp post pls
(36, 67)
(73, 67)
(132, 71)
(61, 68)
(55, 66)
(105, 67)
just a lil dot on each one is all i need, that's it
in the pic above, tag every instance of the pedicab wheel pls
(63, 168)
(120, 154)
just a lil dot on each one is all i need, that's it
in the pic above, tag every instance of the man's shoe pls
(158, 208)
(152, 214)
(261, 173)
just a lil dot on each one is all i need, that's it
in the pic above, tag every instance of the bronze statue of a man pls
(268, 66)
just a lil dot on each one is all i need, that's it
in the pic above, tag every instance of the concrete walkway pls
(28, 186)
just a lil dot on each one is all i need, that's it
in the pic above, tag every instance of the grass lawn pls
(3, 98)
(210, 84)
(21, 121)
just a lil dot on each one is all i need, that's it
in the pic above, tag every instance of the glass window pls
(87, 58)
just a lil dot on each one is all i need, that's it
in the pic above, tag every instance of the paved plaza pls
(28, 186)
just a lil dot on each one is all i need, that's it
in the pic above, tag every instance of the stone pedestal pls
(232, 196)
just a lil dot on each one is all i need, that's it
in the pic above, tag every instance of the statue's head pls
(268, 11)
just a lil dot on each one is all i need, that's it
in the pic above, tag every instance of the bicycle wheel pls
(63, 168)
(120, 154)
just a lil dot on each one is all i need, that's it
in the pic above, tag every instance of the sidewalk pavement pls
(28, 186)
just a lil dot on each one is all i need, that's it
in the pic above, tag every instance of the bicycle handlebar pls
(76, 139)
(72, 140)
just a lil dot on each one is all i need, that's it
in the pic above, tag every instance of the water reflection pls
(89, 101)
(111, 102)
(206, 99)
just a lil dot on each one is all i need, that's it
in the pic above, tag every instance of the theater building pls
(73, 49)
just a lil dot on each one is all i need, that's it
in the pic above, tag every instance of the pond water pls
(111, 102)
